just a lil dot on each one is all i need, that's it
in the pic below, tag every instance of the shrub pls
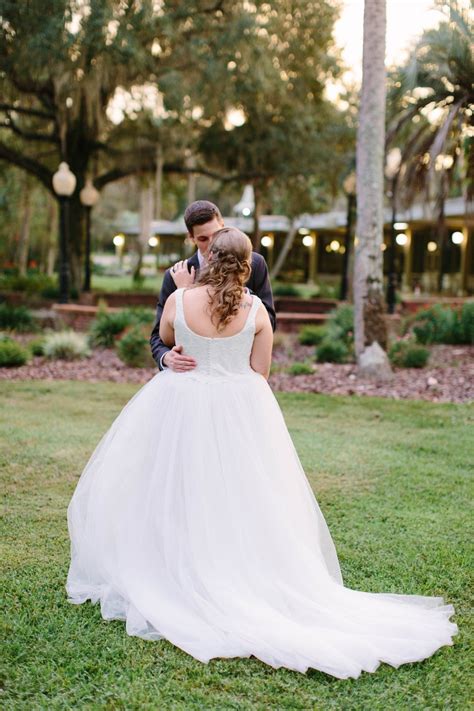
(331, 350)
(134, 349)
(340, 324)
(16, 318)
(108, 326)
(300, 369)
(285, 290)
(66, 345)
(12, 354)
(408, 354)
(440, 324)
(31, 284)
(36, 346)
(311, 335)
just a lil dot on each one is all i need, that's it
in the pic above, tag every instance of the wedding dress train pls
(194, 521)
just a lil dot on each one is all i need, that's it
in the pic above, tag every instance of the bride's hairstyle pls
(227, 271)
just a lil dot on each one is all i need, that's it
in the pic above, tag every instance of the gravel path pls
(449, 376)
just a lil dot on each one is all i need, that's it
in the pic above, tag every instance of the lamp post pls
(350, 190)
(392, 171)
(64, 184)
(119, 241)
(89, 197)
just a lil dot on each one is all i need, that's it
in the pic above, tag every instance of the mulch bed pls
(449, 376)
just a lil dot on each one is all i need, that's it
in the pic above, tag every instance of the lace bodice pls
(217, 356)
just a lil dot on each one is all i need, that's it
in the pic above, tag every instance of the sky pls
(406, 20)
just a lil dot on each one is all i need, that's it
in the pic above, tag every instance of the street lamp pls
(349, 186)
(119, 241)
(64, 184)
(392, 172)
(89, 197)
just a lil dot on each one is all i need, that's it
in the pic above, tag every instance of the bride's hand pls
(181, 276)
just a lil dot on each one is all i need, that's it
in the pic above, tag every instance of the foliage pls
(382, 470)
(311, 335)
(439, 324)
(12, 353)
(66, 345)
(332, 350)
(16, 318)
(300, 369)
(408, 354)
(36, 346)
(108, 325)
(134, 349)
(340, 323)
(31, 284)
(285, 290)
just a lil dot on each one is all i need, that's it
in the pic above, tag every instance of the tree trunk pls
(52, 239)
(256, 219)
(369, 325)
(287, 245)
(24, 237)
(146, 216)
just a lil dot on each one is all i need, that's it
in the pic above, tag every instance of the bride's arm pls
(167, 321)
(261, 356)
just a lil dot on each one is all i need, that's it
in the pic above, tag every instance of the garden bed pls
(449, 376)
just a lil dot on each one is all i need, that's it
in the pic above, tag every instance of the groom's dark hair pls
(200, 212)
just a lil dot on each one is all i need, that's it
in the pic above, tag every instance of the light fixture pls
(401, 239)
(308, 241)
(457, 238)
(303, 231)
(89, 196)
(246, 211)
(383, 246)
(266, 241)
(153, 241)
(431, 246)
(64, 181)
(400, 225)
(334, 244)
(119, 240)
(342, 249)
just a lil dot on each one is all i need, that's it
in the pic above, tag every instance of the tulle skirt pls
(193, 521)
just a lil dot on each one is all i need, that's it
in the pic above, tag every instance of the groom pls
(202, 219)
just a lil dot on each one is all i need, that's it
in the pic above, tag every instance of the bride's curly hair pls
(227, 271)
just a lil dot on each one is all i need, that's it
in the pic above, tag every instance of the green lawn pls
(125, 283)
(391, 478)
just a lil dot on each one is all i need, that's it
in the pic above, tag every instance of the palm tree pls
(430, 104)
(369, 307)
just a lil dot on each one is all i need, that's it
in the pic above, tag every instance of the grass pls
(102, 282)
(392, 479)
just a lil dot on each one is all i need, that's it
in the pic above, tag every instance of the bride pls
(193, 520)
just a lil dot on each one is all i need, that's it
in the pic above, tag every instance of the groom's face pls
(202, 234)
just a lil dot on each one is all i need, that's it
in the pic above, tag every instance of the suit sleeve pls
(158, 348)
(263, 288)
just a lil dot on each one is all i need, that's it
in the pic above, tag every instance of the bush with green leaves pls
(12, 353)
(332, 350)
(285, 290)
(311, 335)
(16, 318)
(408, 354)
(300, 369)
(66, 345)
(107, 328)
(134, 349)
(36, 346)
(440, 324)
(340, 323)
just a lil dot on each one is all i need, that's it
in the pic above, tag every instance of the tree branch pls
(27, 135)
(40, 171)
(29, 112)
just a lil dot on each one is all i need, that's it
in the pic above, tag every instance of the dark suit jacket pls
(258, 283)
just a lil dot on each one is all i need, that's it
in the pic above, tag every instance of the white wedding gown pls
(193, 521)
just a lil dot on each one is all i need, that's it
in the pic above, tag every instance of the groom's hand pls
(181, 276)
(176, 360)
